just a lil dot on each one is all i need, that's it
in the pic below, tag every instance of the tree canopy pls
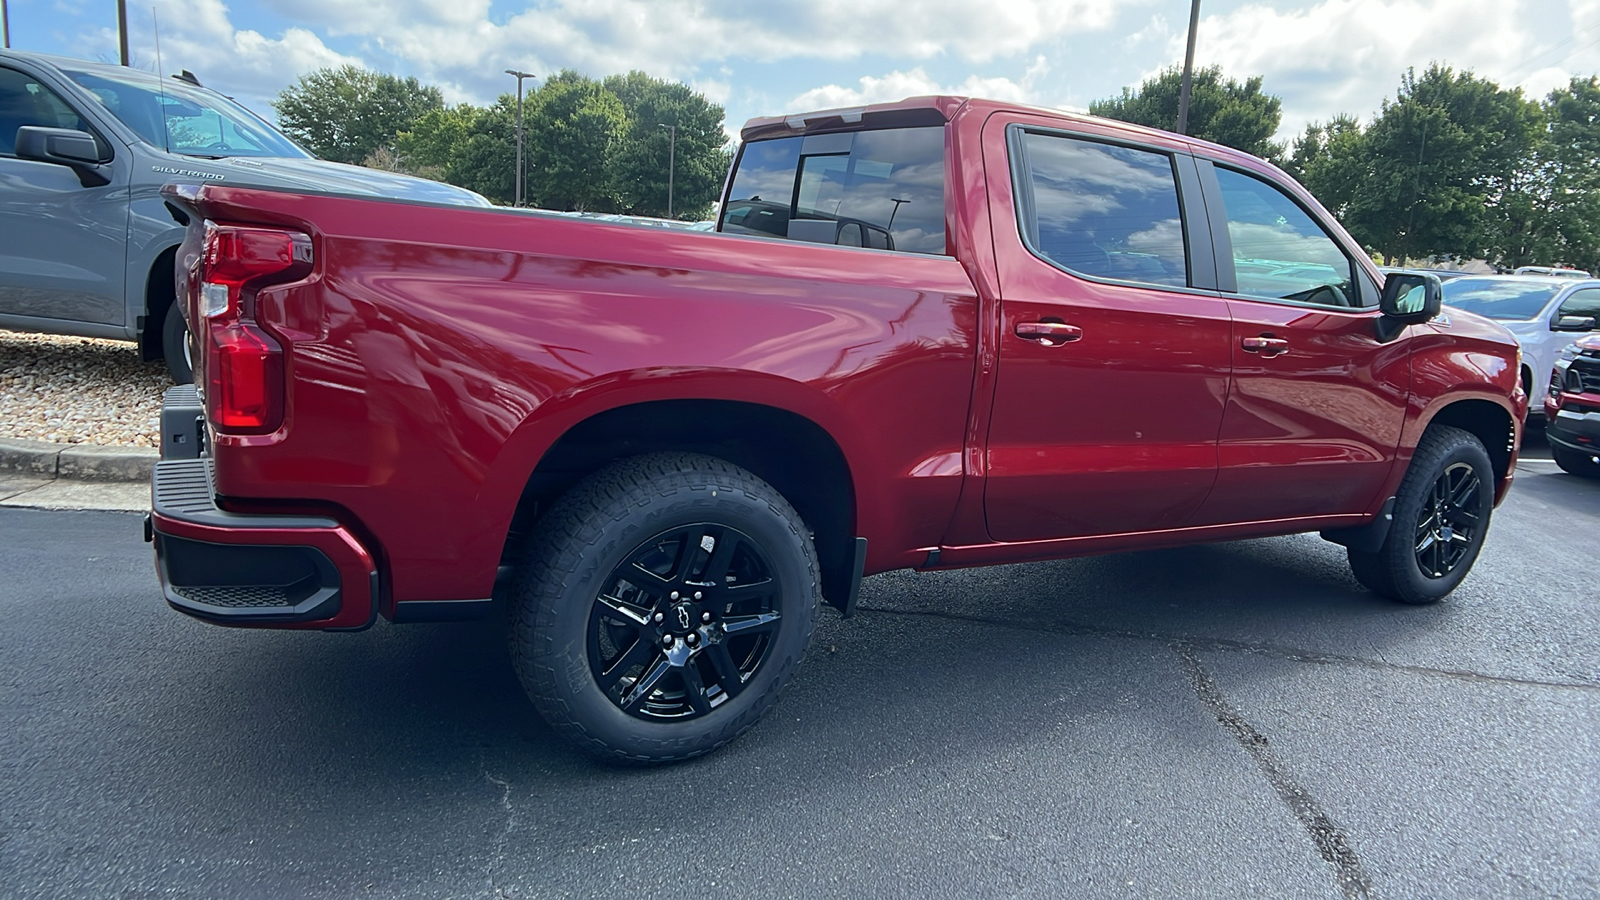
(348, 113)
(1220, 110)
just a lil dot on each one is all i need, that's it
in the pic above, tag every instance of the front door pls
(63, 246)
(1113, 363)
(1314, 417)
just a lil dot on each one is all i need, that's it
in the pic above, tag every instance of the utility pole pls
(122, 29)
(672, 162)
(1188, 69)
(5, 24)
(519, 76)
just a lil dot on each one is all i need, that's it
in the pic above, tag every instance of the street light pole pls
(5, 24)
(672, 162)
(122, 29)
(1188, 69)
(519, 76)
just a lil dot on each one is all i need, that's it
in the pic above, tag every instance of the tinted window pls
(879, 189)
(24, 101)
(1103, 210)
(1506, 299)
(1279, 251)
(1582, 303)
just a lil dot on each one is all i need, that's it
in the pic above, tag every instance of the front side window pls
(879, 189)
(1582, 303)
(183, 119)
(24, 101)
(1279, 251)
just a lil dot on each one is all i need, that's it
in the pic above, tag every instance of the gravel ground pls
(75, 390)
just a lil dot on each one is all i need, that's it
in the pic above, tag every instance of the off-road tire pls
(573, 554)
(1394, 571)
(174, 346)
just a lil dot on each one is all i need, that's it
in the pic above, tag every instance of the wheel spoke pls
(1464, 490)
(755, 590)
(646, 580)
(728, 676)
(751, 624)
(640, 654)
(694, 688)
(689, 551)
(1426, 542)
(721, 558)
(646, 684)
(636, 616)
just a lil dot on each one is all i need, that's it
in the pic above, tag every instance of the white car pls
(1546, 314)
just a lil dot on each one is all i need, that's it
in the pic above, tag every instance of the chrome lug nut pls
(673, 595)
(660, 617)
(666, 641)
(692, 638)
(697, 595)
(705, 617)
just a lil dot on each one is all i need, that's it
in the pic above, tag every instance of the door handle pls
(1050, 334)
(1266, 345)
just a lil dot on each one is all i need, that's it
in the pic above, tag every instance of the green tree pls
(570, 135)
(698, 164)
(1443, 154)
(473, 147)
(346, 114)
(1220, 110)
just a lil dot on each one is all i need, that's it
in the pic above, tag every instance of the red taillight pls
(243, 362)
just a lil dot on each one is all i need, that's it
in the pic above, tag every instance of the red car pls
(1572, 409)
(970, 333)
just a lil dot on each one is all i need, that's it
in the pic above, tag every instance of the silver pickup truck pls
(86, 244)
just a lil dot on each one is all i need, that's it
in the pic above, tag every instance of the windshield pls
(1503, 299)
(198, 122)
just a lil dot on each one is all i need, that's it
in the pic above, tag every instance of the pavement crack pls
(505, 835)
(1225, 645)
(1329, 840)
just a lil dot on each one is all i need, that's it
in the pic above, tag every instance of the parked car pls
(86, 244)
(1546, 315)
(1551, 271)
(1572, 408)
(663, 447)
(1441, 274)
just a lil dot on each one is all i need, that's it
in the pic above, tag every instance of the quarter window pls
(1280, 252)
(1103, 210)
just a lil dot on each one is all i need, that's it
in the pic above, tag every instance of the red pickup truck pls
(931, 334)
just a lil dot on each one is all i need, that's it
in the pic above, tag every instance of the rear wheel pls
(666, 601)
(1441, 516)
(1574, 463)
(175, 346)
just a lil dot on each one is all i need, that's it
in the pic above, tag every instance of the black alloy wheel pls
(1441, 517)
(664, 602)
(1446, 531)
(684, 622)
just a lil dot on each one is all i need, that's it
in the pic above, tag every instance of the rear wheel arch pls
(160, 294)
(791, 452)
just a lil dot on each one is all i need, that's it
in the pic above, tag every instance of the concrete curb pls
(77, 462)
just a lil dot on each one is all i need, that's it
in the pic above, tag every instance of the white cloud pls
(898, 85)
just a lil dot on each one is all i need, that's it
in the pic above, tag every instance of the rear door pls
(1314, 417)
(1114, 347)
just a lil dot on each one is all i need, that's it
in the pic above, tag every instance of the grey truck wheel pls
(666, 601)
(1441, 515)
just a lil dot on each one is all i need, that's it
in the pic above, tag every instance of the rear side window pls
(878, 189)
(24, 101)
(1103, 210)
(1279, 251)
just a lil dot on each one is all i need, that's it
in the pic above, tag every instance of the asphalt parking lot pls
(1224, 721)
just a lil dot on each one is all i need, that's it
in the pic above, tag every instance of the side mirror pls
(1407, 299)
(1573, 323)
(77, 150)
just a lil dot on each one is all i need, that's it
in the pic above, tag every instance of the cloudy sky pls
(759, 57)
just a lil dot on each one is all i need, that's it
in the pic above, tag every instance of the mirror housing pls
(1573, 323)
(77, 150)
(1408, 298)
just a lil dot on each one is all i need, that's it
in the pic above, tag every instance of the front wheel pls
(666, 601)
(1441, 515)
